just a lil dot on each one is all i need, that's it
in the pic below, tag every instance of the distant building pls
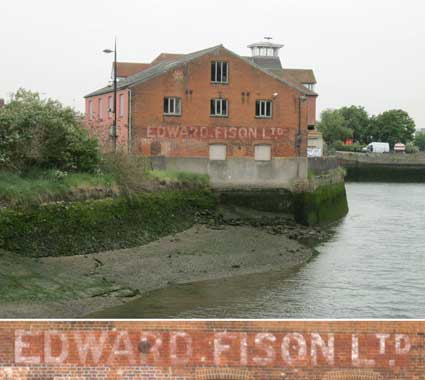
(2, 103)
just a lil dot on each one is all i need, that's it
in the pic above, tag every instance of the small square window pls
(218, 152)
(219, 72)
(172, 106)
(263, 109)
(263, 153)
(219, 107)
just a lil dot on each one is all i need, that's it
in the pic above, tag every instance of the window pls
(219, 72)
(172, 106)
(310, 86)
(219, 107)
(100, 108)
(121, 105)
(263, 153)
(218, 152)
(90, 109)
(110, 107)
(263, 108)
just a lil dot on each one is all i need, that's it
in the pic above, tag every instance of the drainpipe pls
(129, 122)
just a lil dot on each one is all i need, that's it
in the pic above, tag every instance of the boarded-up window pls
(218, 152)
(263, 153)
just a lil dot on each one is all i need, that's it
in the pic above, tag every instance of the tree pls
(45, 134)
(392, 126)
(420, 141)
(356, 119)
(332, 126)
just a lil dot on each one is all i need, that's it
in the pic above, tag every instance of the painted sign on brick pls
(220, 348)
(212, 350)
(218, 132)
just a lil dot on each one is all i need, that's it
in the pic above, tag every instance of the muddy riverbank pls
(240, 242)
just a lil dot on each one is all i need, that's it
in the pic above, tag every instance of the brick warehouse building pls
(212, 350)
(241, 119)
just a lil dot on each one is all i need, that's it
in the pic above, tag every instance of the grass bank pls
(40, 187)
(47, 186)
(61, 229)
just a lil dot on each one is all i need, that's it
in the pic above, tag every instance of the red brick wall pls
(212, 350)
(195, 128)
(99, 126)
(311, 110)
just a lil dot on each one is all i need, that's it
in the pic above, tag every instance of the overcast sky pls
(369, 53)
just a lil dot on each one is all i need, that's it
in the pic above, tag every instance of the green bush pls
(61, 229)
(44, 134)
(420, 141)
(411, 148)
(356, 147)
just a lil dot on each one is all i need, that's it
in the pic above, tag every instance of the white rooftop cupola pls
(265, 48)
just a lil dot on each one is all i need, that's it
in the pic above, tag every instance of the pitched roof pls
(162, 67)
(300, 75)
(265, 62)
(166, 57)
(126, 69)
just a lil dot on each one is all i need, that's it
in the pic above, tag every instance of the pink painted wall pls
(100, 120)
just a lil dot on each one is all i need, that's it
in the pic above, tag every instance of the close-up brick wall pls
(212, 350)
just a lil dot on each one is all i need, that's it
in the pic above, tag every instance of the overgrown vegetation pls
(326, 204)
(356, 147)
(184, 178)
(60, 229)
(43, 134)
(39, 187)
(420, 141)
(353, 122)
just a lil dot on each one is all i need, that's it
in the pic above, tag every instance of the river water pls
(373, 266)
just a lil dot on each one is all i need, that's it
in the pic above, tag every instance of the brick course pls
(212, 350)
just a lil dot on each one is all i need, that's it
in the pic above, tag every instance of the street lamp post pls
(301, 100)
(298, 138)
(114, 120)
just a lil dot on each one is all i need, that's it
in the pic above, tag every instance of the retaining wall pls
(234, 172)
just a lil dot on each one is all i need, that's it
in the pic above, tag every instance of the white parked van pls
(377, 147)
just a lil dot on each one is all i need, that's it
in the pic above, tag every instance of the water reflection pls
(372, 267)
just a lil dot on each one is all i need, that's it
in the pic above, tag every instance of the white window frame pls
(214, 154)
(218, 107)
(121, 105)
(263, 109)
(217, 72)
(172, 106)
(100, 108)
(259, 156)
(310, 86)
